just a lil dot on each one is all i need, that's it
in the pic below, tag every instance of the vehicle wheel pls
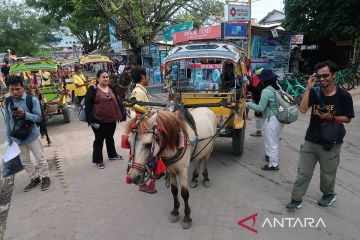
(299, 94)
(238, 139)
(66, 114)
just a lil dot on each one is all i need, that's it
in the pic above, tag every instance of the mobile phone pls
(14, 109)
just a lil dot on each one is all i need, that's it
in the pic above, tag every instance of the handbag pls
(12, 167)
(21, 129)
(11, 161)
(332, 132)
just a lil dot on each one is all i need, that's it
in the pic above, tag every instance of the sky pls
(262, 7)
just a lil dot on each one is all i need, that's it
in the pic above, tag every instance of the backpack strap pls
(29, 102)
(276, 100)
(9, 101)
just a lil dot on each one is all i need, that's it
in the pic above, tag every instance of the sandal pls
(268, 168)
(256, 134)
(145, 188)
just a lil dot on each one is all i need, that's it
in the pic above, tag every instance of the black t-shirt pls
(340, 104)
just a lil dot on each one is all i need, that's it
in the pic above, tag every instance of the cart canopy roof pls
(94, 58)
(222, 50)
(43, 65)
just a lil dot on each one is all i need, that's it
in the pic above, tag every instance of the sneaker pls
(294, 204)
(327, 200)
(101, 165)
(34, 182)
(45, 183)
(268, 168)
(118, 157)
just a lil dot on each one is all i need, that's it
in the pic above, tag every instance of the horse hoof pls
(193, 184)
(186, 225)
(207, 183)
(173, 218)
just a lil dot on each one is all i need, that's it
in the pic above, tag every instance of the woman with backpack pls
(103, 110)
(268, 107)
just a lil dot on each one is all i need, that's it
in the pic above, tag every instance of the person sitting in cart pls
(227, 77)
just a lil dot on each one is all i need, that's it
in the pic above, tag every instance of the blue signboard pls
(270, 52)
(235, 30)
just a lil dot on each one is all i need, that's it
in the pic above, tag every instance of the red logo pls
(233, 12)
(253, 217)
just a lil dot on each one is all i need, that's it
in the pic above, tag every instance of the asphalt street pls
(87, 203)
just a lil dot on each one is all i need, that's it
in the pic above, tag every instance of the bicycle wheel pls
(348, 82)
(298, 94)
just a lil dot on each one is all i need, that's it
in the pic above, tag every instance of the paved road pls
(86, 203)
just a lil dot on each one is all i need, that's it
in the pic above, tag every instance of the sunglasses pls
(325, 75)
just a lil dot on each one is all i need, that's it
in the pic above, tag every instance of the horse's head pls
(149, 136)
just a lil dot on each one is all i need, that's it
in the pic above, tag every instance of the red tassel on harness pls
(127, 180)
(125, 142)
(160, 167)
(152, 184)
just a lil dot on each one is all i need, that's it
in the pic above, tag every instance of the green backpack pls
(286, 110)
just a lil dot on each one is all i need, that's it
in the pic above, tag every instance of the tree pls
(334, 19)
(137, 22)
(21, 31)
(86, 25)
(92, 32)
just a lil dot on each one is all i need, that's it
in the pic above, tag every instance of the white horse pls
(168, 136)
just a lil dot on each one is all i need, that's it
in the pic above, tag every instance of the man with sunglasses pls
(329, 104)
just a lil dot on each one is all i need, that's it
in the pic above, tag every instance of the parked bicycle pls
(294, 85)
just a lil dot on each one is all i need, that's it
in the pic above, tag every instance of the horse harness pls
(152, 160)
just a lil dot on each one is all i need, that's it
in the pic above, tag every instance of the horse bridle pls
(151, 158)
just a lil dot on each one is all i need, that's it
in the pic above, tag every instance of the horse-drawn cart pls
(54, 95)
(211, 74)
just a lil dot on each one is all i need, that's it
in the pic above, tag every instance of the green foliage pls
(21, 31)
(136, 22)
(335, 19)
(84, 23)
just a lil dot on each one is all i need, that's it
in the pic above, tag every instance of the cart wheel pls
(66, 114)
(238, 139)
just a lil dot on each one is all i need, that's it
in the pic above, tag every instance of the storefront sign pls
(237, 12)
(297, 39)
(270, 52)
(198, 34)
(205, 66)
(235, 30)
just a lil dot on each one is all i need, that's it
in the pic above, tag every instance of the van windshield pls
(198, 74)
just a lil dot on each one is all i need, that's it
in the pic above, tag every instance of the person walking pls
(103, 110)
(255, 86)
(272, 126)
(338, 108)
(21, 106)
(80, 83)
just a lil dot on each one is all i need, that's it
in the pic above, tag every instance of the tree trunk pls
(135, 55)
